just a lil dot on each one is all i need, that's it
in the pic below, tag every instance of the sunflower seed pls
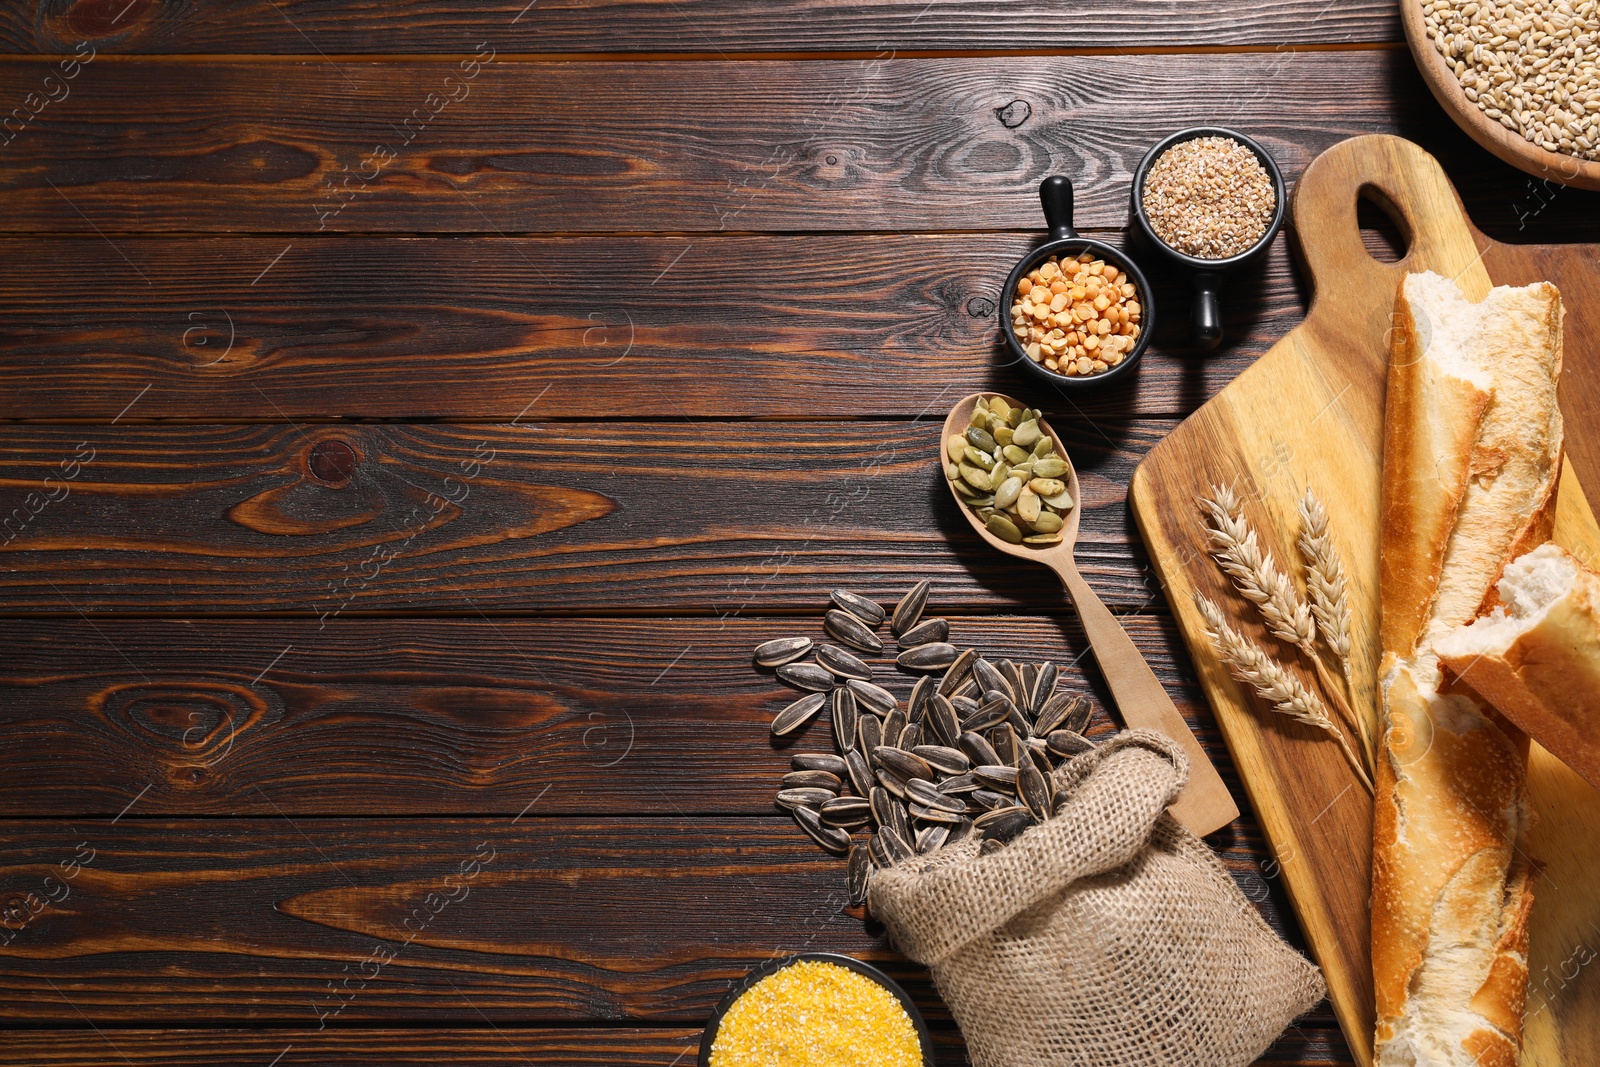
(964, 705)
(829, 837)
(927, 814)
(1028, 675)
(879, 800)
(959, 832)
(990, 679)
(960, 667)
(874, 698)
(781, 650)
(803, 798)
(1031, 788)
(1043, 687)
(868, 611)
(902, 763)
(943, 759)
(968, 687)
(961, 783)
(1004, 824)
(851, 630)
(978, 749)
(846, 811)
(909, 610)
(806, 676)
(818, 761)
(941, 715)
(1058, 798)
(930, 657)
(797, 714)
(891, 781)
(1002, 778)
(925, 632)
(1078, 721)
(879, 852)
(990, 846)
(932, 837)
(1004, 739)
(923, 792)
(1040, 756)
(992, 712)
(910, 737)
(844, 720)
(1019, 724)
(1055, 713)
(917, 705)
(894, 724)
(869, 737)
(990, 799)
(859, 873)
(1013, 677)
(1067, 743)
(841, 664)
(895, 845)
(813, 780)
(860, 772)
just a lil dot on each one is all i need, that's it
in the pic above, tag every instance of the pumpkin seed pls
(1015, 455)
(781, 650)
(925, 632)
(1044, 446)
(844, 720)
(932, 837)
(954, 446)
(908, 612)
(905, 764)
(1027, 434)
(979, 459)
(1006, 493)
(1062, 501)
(1004, 529)
(851, 630)
(972, 495)
(978, 749)
(829, 837)
(841, 664)
(859, 874)
(818, 761)
(860, 772)
(1047, 486)
(941, 715)
(1049, 467)
(813, 780)
(806, 676)
(976, 477)
(1028, 505)
(1066, 743)
(874, 698)
(811, 797)
(935, 656)
(868, 611)
(1048, 522)
(1031, 788)
(978, 438)
(1042, 539)
(943, 759)
(797, 714)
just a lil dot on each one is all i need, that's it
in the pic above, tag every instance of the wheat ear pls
(1256, 575)
(1250, 664)
(1328, 592)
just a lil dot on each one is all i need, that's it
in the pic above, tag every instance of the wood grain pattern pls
(1307, 1044)
(874, 144)
(1311, 412)
(554, 517)
(708, 26)
(373, 327)
(528, 921)
(433, 716)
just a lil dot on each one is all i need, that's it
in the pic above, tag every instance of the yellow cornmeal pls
(816, 1014)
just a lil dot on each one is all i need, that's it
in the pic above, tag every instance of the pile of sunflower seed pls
(970, 753)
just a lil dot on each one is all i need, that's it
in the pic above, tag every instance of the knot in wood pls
(332, 462)
(1014, 114)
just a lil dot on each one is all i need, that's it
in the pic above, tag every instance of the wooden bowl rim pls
(1510, 147)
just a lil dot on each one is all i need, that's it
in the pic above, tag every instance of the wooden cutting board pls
(1310, 412)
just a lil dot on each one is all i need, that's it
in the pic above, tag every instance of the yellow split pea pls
(816, 1014)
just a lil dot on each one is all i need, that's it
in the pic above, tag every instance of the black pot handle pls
(1055, 194)
(1207, 313)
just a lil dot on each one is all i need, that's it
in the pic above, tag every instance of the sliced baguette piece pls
(1472, 452)
(1536, 657)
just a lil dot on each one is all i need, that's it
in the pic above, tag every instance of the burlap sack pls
(1109, 935)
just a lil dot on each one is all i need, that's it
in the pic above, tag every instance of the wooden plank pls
(442, 921)
(307, 27)
(550, 517)
(382, 327)
(431, 716)
(1306, 1045)
(886, 145)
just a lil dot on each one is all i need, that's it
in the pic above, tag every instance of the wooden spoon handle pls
(1205, 805)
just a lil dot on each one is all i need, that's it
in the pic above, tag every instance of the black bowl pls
(1055, 194)
(776, 965)
(1206, 274)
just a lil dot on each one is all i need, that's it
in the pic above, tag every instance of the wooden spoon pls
(1205, 804)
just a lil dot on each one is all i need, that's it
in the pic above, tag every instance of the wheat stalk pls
(1329, 595)
(1256, 576)
(1250, 664)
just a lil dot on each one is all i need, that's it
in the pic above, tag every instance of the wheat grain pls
(1328, 592)
(1271, 681)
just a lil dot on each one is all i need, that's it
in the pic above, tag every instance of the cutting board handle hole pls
(1385, 232)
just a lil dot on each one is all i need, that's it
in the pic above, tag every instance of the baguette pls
(1536, 657)
(1472, 450)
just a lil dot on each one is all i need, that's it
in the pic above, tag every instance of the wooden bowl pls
(1511, 147)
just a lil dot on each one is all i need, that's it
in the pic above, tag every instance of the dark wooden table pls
(415, 412)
